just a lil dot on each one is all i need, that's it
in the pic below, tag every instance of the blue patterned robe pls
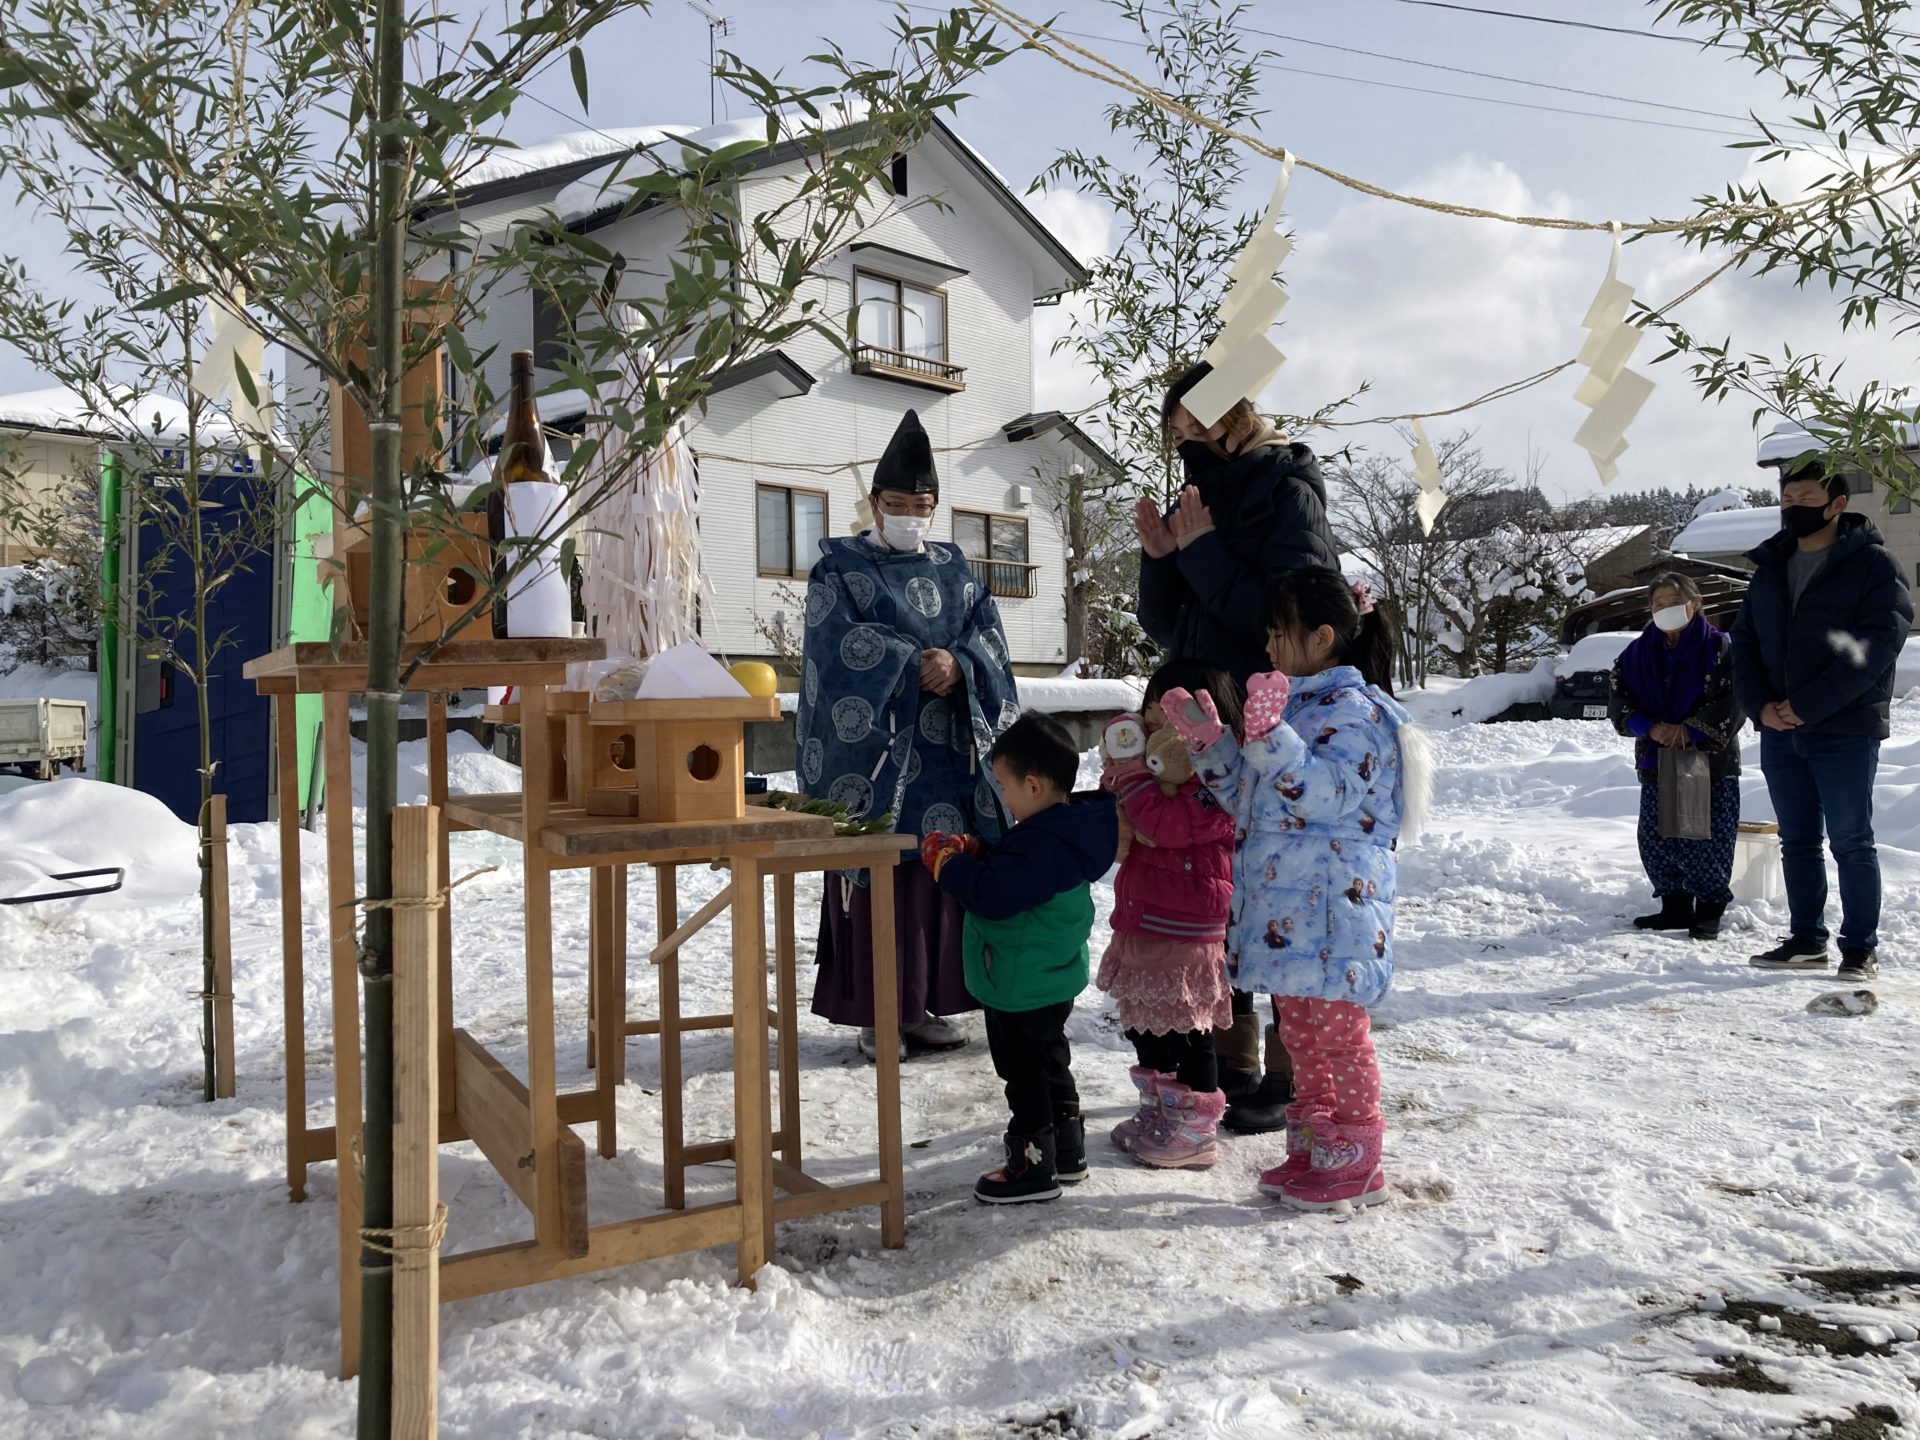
(866, 732)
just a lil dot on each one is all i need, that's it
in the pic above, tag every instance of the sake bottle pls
(522, 461)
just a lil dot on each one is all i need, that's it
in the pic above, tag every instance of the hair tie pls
(1363, 596)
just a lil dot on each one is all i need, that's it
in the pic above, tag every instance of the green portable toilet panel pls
(309, 609)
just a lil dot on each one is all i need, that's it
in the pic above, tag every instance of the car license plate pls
(1594, 712)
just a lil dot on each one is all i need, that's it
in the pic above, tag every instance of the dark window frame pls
(795, 570)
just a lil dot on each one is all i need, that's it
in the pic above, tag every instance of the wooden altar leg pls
(344, 949)
(549, 1227)
(617, 955)
(437, 796)
(673, 1135)
(607, 1024)
(416, 1123)
(886, 1044)
(752, 1148)
(786, 987)
(286, 736)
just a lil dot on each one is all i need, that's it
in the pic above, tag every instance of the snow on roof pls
(1588, 546)
(159, 417)
(666, 150)
(498, 164)
(1727, 532)
(1728, 499)
(1790, 439)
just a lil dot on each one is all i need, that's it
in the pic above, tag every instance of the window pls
(791, 525)
(901, 332)
(550, 327)
(899, 176)
(996, 547)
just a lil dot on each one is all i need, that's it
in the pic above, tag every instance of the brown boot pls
(1238, 1051)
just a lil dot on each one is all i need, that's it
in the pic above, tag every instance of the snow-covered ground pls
(1615, 1159)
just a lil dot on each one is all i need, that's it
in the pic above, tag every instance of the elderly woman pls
(1253, 507)
(1673, 688)
(905, 682)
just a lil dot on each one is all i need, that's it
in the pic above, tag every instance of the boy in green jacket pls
(1029, 911)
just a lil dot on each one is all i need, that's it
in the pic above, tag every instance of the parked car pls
(1583, 676)
(1722, 588)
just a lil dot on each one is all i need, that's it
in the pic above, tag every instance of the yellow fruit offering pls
(756, 679)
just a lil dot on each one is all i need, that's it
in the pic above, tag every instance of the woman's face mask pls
(1673, 617)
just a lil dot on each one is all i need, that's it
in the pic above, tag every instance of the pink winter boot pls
(1147, 1082)
(1184, 1140)
(1346, 1169)
(1302, 1117)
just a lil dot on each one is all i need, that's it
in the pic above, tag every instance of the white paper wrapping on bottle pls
(539, 603)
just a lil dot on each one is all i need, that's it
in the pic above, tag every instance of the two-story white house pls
(945, 295)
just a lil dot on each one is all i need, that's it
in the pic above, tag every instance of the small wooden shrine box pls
(444, 563)
(670, 760)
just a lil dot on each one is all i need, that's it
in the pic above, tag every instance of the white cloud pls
(1085, 227)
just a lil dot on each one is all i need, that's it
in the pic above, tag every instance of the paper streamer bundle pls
(217, 376)
(642, 576)
(1613, 392)
(1426, 474)
(1242, 357)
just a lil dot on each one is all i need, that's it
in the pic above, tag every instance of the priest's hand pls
(939, 671)
(1155, 538)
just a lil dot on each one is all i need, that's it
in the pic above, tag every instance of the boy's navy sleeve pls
(999, 885)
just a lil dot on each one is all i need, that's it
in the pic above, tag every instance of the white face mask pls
(904, 532)
(1674, 617)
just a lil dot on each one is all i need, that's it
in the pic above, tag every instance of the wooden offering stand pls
(523, 1126)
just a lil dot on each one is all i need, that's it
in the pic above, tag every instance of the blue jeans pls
(1816, 780)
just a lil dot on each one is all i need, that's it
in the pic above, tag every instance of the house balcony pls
(911, 369)
(1006, 579)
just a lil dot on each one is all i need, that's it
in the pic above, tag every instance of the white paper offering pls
(539, 602)
(1242, 357)
(687, 672)
(1613, 392)
(1236, 377)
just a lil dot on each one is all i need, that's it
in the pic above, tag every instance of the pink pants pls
(1331, 1044)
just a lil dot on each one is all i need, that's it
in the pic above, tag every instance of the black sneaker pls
(1026, 1177)
(1857, 965)
(1793, 953)
(1070, 1149)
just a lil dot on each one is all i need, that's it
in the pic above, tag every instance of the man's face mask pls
(904, 532)
(1805, 520)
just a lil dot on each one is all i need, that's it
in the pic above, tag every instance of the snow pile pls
(1471, 702)
(472, 769)
(73, 824)
(1727, 532)
(1069, 694)
(1594, 652)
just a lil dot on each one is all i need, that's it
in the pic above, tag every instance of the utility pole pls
(717, 25)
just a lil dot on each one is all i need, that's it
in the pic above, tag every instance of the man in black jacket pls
(1813, 659)
(1253, 506)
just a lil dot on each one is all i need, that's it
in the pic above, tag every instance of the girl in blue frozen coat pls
(1330, 778)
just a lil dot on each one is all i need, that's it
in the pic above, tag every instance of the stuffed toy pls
(1169, 759)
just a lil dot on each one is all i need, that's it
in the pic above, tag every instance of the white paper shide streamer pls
(1426, 474)
(217, 377)
(1242, 357)
(1612, 392)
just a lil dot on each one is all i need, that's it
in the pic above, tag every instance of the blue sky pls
(1433, 310)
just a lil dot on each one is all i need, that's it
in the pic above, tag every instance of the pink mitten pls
(1266, 703)
(1194, 717)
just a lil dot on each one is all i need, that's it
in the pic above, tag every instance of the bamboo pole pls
(419, 879)
(224, 1080)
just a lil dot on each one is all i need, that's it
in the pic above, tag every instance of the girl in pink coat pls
(1166, 965)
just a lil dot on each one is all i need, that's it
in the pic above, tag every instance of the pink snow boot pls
(1147, 1082)
(1302, 1118)
(1184, 1139)
(1346, 1169)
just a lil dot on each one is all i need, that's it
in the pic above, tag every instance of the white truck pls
(39, 736)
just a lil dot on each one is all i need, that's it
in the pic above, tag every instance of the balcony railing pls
(1007, 579)
(913, 369)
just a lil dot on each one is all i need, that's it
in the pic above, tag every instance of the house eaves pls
(1044, 422)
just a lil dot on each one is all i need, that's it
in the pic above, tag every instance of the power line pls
(1556, 20)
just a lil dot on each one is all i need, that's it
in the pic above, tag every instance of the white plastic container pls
(1757, 877)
